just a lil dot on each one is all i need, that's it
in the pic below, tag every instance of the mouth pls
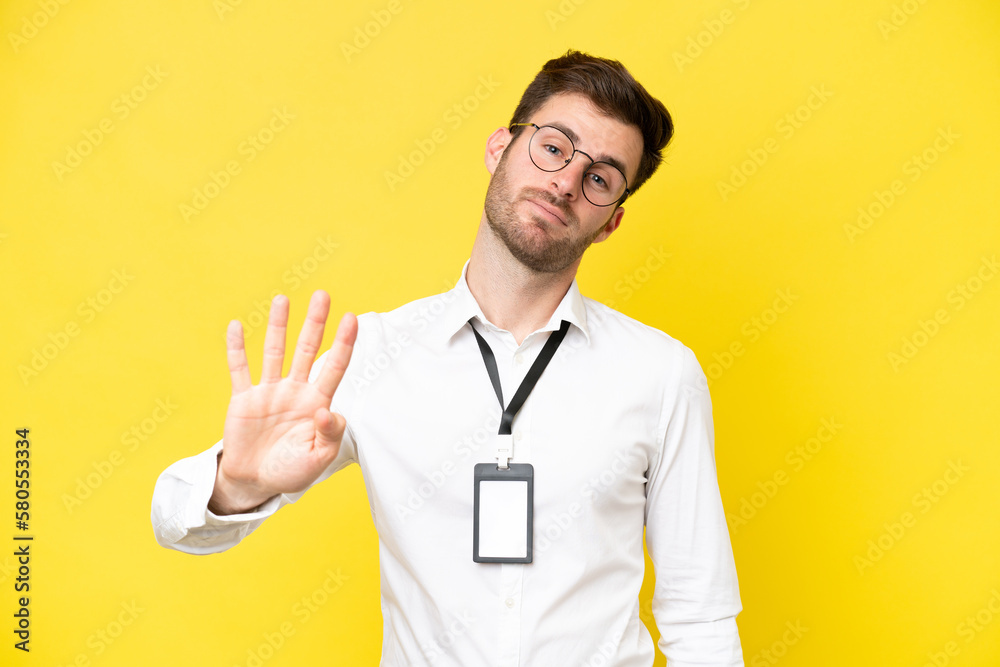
(549, 212)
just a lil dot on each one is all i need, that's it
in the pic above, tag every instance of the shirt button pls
(517, 436)
(518, 358)
(509, 602)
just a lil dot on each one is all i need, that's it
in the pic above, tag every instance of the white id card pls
(501, 527)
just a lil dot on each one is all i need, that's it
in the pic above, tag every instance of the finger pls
(311, 336)
(274, 340)
(339, 355)
(236, 356)
(329, 431)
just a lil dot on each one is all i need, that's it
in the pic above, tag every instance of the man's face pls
(543, 217)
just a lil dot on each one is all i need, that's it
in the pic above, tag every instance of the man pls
(615, 434)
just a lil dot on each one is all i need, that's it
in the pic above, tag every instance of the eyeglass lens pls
(550, 148)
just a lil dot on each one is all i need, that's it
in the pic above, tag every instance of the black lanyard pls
(507, 418)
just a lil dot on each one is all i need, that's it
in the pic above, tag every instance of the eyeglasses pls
(551, 150)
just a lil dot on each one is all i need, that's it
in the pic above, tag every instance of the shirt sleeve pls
(180, 515)
(696, 598)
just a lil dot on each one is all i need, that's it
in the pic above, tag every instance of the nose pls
(568, 181)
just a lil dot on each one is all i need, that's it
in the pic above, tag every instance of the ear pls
(611, 225)
(495, 146)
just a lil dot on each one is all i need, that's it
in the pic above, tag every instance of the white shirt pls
(619, 432)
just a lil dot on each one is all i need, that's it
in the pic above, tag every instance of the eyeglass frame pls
(617, 202)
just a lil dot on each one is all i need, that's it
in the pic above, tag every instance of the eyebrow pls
(575, 138)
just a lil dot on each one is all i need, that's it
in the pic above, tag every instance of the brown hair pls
(613, 90)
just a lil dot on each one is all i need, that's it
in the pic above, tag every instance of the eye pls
(552, 150)
(597, 180)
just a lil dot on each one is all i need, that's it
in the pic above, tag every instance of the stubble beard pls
(522, 237)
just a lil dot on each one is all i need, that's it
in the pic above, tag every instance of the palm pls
(269, 430)
(279, 435)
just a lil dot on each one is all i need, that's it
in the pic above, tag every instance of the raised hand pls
(280, 435)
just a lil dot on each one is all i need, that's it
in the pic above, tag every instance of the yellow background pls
(895, 74)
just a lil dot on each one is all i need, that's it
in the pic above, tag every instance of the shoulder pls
(651, 346)
(407, 321)
(416, 322)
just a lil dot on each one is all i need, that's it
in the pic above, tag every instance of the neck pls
(512, 296)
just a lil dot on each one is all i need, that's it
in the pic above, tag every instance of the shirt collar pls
(462, 306)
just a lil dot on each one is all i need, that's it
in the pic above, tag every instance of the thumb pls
(329, 429)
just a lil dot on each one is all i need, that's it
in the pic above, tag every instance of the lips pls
(550, 210)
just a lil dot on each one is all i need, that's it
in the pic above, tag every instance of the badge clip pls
(505, 449)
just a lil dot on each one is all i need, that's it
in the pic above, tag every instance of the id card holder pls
(501, 527)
